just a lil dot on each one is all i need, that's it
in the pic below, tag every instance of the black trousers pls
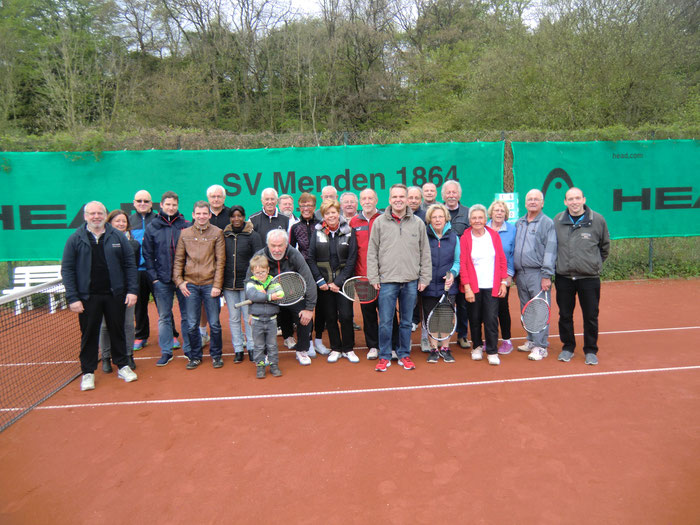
(112, 308)
(504, 315)
(484, 310)
(337, 309)
(285, 320)
(463, 308)
(588, 291)
(370, 325)
(303, 332)
(142, 326)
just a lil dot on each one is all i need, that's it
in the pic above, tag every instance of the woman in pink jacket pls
(483, 273)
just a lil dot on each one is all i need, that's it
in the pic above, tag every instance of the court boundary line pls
(322, 393)
(551, 336)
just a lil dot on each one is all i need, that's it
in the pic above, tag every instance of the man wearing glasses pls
(144, 214)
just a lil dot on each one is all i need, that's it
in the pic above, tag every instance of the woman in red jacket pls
(483, 273)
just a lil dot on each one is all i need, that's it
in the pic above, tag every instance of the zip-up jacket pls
(398, 251)
(291, 261)
(459, 219)
(240, 248)
(581, 247)
(362, 226)
(467, 270)
(77, 263)
(137, 225)
(200, 256)
(300, 235)
(332, 258)
(264, 223)
(444, 253)
(507, 233)
(259, 293)
(535, 245)
(159, 244)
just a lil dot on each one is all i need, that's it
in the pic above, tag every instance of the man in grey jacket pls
(534, 256)
(399, 266)
(583, 244)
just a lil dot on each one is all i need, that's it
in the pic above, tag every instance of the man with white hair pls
(216, 196)
(99, 275)
(286, 205)
(328, 193)
(534, 258)
(348, 205)
(269, 218)
(284, 258)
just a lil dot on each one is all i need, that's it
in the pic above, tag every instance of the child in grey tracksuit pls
(263, 315)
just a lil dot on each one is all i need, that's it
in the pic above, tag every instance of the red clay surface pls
(598, 447)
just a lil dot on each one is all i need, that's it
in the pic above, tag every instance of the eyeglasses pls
(306, 205)
(142, 201)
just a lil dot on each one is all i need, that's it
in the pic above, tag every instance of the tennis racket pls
(535, 314)
(293, 285)
(359, 289)
(442, 319)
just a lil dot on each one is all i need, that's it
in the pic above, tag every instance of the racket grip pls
(243, 303)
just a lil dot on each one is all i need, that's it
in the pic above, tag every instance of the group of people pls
(412, 253)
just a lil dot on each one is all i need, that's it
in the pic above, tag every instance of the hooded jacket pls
(581, 247)
(240, 248)
(159, 242)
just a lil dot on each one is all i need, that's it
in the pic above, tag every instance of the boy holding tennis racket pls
(263, 315)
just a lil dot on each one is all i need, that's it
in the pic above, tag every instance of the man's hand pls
(130, 299)
(305, 317)
(215, 292)
(377, 286)
(183, 289)
(546, 284)
(421, 287)
(77, 307)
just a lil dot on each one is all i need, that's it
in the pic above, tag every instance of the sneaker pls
(321, 348)
(414, 326)
(164, 359)
(279, 332)
(260, 374)
(275, 370)
(356, 326)
(131, 363)
(591, 359)
(394, 355)
(464, 342)
(382, 365)
(333, 356)
(193, 363)
(205, 339)
(351, 356)
(565, 356)
(267, 361)
(303, 358)
(493, 359)
(526, 347)
(434, 356)
(407, 363)
(425, 345)
(538, 353)
(140, 343)
(372, 354)
(176, 344)
(506, 347)
(290, 342)
(312, 351)
(238, 357)
(217, 362)
(107, 365)
(127, 374)
(446, 355)
(87, 382)
(478, 353)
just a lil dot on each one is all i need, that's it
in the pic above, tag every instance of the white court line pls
(552, 336)
(362, 390)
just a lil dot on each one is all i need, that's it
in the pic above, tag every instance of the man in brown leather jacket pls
(198, 271)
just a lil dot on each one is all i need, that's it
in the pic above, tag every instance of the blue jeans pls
(406, 294)
(202, 294)
(234, 319)
(163, 293)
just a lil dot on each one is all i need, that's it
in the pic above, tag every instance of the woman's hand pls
(449, 280)
(333, 287)
(469, 295)
(323, 287)
(502, 290)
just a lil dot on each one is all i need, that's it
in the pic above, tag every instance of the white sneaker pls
(205, 339)
(303, 358)
(290, 342)
(351, 356)
(527, 347)
(538, 353)
(372, 354)
(493, 359)
(424, 345)
(312, 351)
(414, 326)
(279, 332)
(333, 356)
(478, 353)
(394, 355)
(127, 374)
(321, 348)
(87, 382)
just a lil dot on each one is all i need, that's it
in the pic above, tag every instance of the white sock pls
(203, 330)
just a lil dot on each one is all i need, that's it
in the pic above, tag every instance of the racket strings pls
(360, 288)
(293, 287)
(441, 321)
(535, 316)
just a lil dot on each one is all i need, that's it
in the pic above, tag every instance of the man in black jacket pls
(142, 216)
(99, 275)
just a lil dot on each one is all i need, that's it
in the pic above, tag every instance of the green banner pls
(43, 193)
(643, 189)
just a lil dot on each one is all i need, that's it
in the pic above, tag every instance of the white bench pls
(28, 276)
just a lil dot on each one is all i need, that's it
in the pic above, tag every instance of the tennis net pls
(39, 346)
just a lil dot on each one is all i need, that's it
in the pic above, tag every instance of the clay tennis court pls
(525, 442)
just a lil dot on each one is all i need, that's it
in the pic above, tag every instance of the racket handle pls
(243, 303)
